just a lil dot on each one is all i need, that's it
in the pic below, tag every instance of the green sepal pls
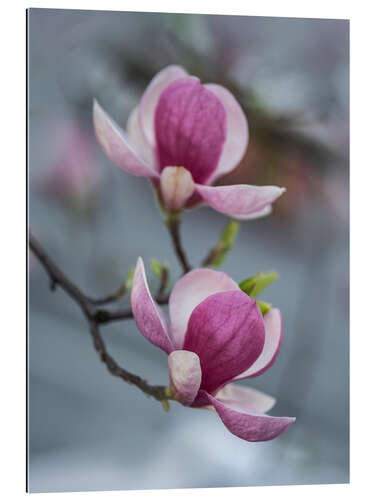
(255, 284)
(264, 307)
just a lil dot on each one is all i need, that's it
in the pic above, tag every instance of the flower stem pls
(173, 224)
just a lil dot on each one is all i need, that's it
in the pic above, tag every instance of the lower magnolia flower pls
(184, 136)
(216, 335)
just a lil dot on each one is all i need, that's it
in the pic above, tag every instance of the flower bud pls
(257, 283)
(177, 185)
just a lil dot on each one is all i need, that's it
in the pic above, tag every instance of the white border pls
(12, 122)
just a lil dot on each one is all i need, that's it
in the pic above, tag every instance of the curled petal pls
(226, 330)
(256, 215)
(177, 185)
(190, 128)
(250, 426)
(245, 399)
(274, 336)
(151, 96)
(242, 201)
(185, 374)
(148, 316)
(237, 132)
(188, 292)
(117, 146)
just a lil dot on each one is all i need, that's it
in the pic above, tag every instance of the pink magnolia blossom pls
(216, 335)
(73, 176)
(183, 136)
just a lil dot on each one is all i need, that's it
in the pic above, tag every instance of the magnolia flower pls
(216, 335)
(184, 136)
(73, 177)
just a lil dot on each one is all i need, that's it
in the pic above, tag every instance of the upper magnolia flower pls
(216, 335)
(184, 136)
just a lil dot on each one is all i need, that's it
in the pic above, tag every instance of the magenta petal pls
(247, 399)
(150, 99)
(148, 316)
(190, 128)
(241, 200)
(188, 292)
(237, 132)
(117, 146)
(185, 374)
(250, 426)
(226, 330)
(272, 345)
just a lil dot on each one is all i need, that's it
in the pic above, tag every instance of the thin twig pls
(213, 255)
(112, 297)
(218, 252)
(95, 316)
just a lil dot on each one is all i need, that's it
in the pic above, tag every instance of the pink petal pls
(151, 96)
(136, 137)
(190, 128)
(188, 292)
(250, 426)
(177, 185)
(226, 330)
(272, 345)
(117, 146)
(185, 374)
(148, 316)
(245, 399)
(237, 132)
(241, 200)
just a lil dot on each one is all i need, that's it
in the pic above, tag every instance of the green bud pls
(224, 245)
(129, 279)
(156, 267)
(255, 284)
(228, 236)
(264, 307)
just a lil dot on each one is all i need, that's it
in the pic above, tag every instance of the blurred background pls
(89, 430)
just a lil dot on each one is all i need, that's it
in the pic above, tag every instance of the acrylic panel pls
(189, 260)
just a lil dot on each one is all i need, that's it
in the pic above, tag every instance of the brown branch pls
(95, 316)
(156, 391)
(57, 277)
(163, 282)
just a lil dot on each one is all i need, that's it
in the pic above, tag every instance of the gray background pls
(90, 431)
